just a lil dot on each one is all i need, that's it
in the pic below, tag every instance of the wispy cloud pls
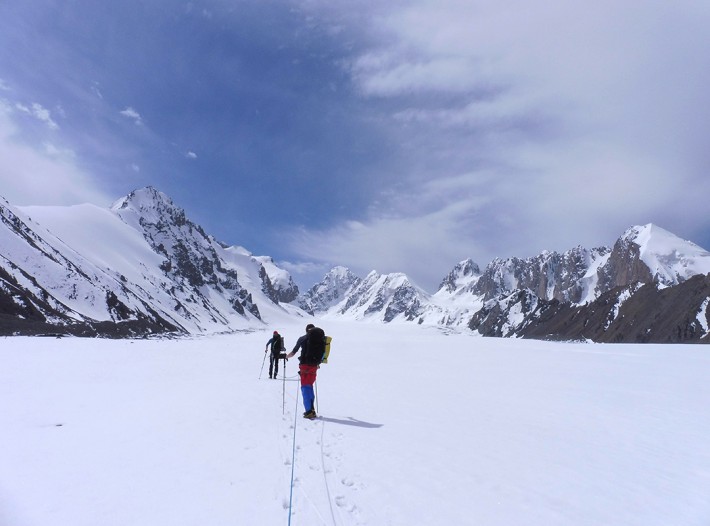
(43, 172)
(191, 155)
(44, 115)
(388, 244)
(424, 231)
(132, 114)
(306, 273)
(95, 89)
(39, 112)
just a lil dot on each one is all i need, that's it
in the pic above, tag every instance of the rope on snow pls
(293, 460)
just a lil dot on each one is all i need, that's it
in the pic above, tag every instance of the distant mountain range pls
(142, 268)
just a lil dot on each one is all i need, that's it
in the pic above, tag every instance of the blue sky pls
(394, 136)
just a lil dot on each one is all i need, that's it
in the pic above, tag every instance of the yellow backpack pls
(327, 349)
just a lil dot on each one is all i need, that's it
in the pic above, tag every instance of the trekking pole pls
(262, 365)
(315, 384)
(283, 391)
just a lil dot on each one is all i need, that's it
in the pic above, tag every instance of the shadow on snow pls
(350, 422)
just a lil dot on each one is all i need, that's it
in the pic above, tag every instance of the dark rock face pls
(497, 317)
(641, 313)
(288, 293)
(624, 266)
(550, 275)
(275, 292)
(677, 314)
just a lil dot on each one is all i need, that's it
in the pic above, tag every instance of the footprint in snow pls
(342, 502)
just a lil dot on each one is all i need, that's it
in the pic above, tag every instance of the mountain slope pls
(643, 313)
(61, 288)
(141, 261)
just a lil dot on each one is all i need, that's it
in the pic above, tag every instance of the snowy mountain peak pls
(669, 258)
(462, 275)
(148, 205)
(143, 199)
(652, 238)
(339, 273)
(334, 286)
(383, 297)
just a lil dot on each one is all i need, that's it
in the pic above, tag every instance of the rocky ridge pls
(144, 268)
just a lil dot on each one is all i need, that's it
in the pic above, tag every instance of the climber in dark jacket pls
(276, 343)
(310, 359)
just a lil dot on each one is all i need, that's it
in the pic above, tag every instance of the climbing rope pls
(293, 466)
(325, 476)
(293, 459)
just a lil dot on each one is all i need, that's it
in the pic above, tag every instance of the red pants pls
(308, 374)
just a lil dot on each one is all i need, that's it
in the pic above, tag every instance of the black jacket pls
(305, 358)
(301, 345)
(272, 342)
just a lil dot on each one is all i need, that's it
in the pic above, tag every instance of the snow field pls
(416, 427)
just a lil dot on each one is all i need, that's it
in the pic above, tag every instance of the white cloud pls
(43, 114)
(388, 75)
(54, 151)
(96, 90)
(419, 246)
(39, 112)
(191, 155)
(41, 175)
(582, 119)
(305, 274)
(422, 232)
(130, 113)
